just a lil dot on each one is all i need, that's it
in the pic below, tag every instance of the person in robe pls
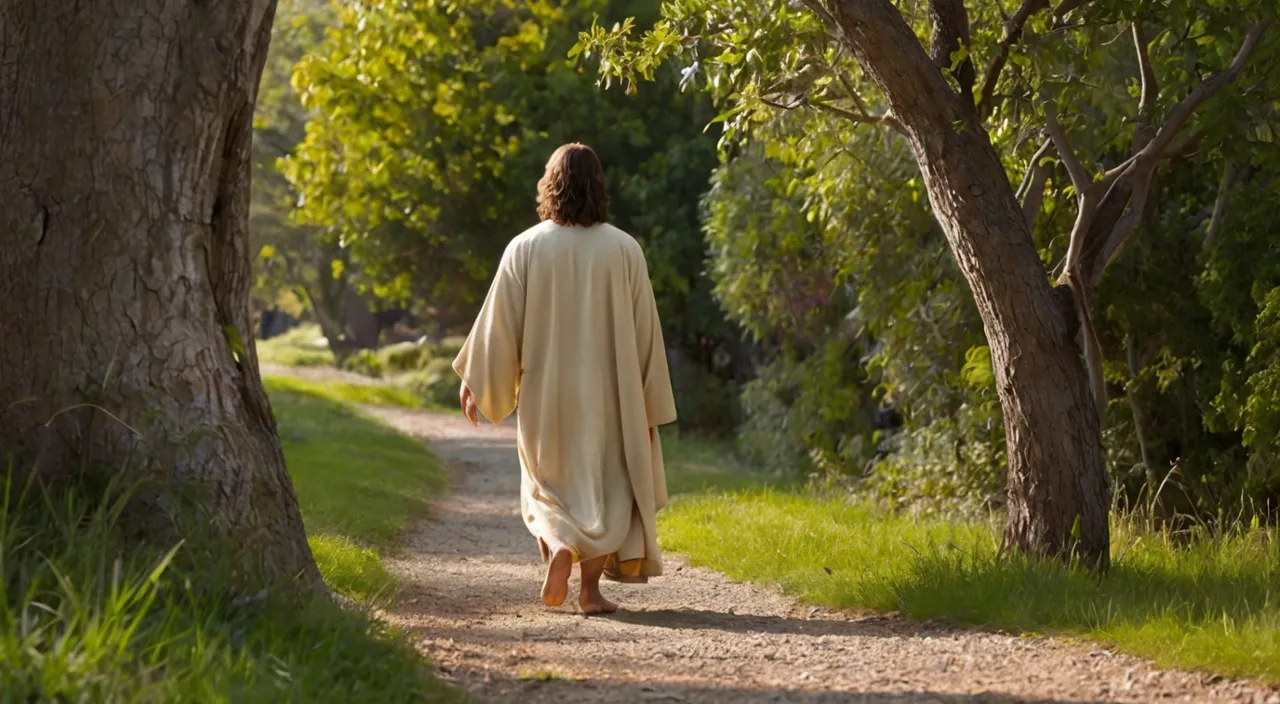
(569, 339)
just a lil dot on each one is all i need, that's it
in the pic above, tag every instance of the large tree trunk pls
(1058, 495)
(125, 130)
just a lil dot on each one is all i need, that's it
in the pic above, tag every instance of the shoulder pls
(519, 246)
(629, 245)
(526, 238)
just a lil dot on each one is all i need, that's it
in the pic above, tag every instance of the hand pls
(468, 401)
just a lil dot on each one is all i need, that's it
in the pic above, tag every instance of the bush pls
(952, 465)
(364, 362)
(707, 404)
(405, 357)
(303, 346)
(436, 384)
(810, 414)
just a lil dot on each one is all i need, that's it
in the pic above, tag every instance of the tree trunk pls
(1057, 488)
(125, 129)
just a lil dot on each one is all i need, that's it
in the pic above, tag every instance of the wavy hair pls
(572, 191)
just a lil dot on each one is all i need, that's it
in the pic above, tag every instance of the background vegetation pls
(812, 308)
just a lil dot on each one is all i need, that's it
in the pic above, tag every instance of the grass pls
(344, 392)
(1207, 601)
(298, 347)
(359, 482)
(694, 465)
(88, 616)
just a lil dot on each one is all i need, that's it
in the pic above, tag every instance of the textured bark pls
(125, 130)
(1058, 493)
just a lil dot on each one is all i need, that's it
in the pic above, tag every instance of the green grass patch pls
(695, 465)
(302, 346)
(359, 482)
(344, 392)
(1202, 601)
(89, 616)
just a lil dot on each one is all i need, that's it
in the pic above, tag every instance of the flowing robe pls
(569, 334)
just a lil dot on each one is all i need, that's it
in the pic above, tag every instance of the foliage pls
(1200, 600)
(365, 362)
(405, 356)
(432, 117)
(853, 285)
(289, 265)
(436, 384)
(818, 212)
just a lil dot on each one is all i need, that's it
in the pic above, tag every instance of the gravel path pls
(472, 574)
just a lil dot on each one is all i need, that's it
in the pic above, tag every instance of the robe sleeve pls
(489, 363)
(659, 400)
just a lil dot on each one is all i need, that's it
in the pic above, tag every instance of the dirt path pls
(694, 636)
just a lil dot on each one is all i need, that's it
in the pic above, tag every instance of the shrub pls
(405, 357)
(364, 362)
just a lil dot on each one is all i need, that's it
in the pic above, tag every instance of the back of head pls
(572, 191)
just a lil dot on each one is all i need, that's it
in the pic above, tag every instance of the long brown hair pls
(572, 191)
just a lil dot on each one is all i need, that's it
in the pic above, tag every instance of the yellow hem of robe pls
(625, 571)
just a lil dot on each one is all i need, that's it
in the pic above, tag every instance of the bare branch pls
(1034, 200)
(798, 102)
(1031, 191)
(886, 119)
(1150, 89)
(1080, 178)
(950, 35)
(1124, 225)
(1031, 167)
(1065, 8)
(1013, 27)
(1230, 172)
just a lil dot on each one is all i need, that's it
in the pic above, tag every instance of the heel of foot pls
(555, 588)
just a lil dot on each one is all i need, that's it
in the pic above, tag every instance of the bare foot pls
(555, 588)
(593, 604)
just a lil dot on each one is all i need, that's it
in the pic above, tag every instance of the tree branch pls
(1150, 89)
(1124, 225)
(950, 35)
(1031, 191)
(1230, 172)
(1080, 178)
(1135, 174)
(1065, 8)
(1209, 87)
(1012, 35)
(886, 119)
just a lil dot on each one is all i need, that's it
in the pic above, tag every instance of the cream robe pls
(570, 327)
